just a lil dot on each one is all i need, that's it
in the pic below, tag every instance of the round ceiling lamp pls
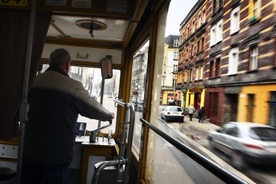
(91, 25)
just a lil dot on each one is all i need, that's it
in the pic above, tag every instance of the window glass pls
(235, 20)
(254, 58)
(92, 80)
(264, 134)
(233, 61)
(137, 93)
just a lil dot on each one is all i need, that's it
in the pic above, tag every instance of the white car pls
(172, 113)
(245, 143)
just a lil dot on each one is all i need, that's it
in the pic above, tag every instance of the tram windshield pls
(91, 79)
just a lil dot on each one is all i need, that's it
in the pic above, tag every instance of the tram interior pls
(91, 30)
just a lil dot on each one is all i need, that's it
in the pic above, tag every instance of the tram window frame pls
(139, 84)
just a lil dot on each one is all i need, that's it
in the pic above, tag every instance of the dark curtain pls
(14, 28)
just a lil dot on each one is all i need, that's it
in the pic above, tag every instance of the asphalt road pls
(198, 133)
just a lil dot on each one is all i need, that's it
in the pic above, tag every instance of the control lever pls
(93, 133)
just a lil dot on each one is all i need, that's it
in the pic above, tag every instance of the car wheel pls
(238, 161)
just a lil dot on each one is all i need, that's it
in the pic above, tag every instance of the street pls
(198, 133)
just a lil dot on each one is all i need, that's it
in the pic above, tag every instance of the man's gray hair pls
(59, 57)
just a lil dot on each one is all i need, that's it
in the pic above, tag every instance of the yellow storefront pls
(257, 104)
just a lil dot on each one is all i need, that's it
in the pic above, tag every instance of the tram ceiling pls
(102, 23)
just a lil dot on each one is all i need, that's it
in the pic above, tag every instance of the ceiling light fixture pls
(91, 25)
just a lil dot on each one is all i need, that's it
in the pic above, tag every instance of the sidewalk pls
(195, 130)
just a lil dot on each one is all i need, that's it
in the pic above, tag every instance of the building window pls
(198, 46)
(175, 43)
(214, 6)
(202, 44)
(217, 68)
(211, 69)
(213, 36)
(186, 76)
(203, 16)
(219, 31)
(235, 20)
(175, 69)
(220, 3)
(254, 10)
(191, 74)
(216, 33)
(175, 55)
(253, 61)
(197, 73)
(193, 26)
(201, 72)
(233, 61)
(199, 20)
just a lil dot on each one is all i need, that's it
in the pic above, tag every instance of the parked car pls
(140, 105)
(172, 113)
(171, 101)
(245, 143)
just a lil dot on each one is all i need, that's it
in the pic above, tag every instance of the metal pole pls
(24, 105)
(101, 100)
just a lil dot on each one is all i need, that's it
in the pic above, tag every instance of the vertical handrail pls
(124, 157)
(130, 139)
(129, 118)
(24, 105)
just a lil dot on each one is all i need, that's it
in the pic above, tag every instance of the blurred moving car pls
(172, 113)
(245, 143)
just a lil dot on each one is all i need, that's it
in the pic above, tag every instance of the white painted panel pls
(94, 54)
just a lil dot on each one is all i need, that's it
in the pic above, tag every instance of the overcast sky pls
(177, 12)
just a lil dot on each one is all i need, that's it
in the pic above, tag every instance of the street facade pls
(227, 61)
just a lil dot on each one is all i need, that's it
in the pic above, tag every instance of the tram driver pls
(55, 102)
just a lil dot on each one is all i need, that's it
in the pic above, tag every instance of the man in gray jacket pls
(55, 101)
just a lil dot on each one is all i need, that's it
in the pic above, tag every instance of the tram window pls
(138, 88)
(91, 79)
